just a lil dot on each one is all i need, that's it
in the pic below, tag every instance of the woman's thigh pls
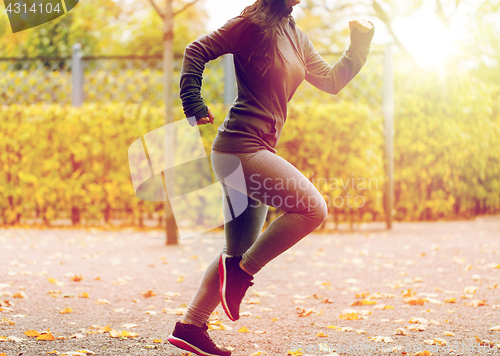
(269, 179)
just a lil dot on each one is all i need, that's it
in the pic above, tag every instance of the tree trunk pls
(172, 231)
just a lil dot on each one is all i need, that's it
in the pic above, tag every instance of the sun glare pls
(427, 39)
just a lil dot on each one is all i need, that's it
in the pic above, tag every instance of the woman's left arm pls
(333, 78)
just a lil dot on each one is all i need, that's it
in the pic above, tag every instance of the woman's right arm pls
(232, 37)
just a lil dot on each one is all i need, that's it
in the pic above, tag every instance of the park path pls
(120, 293)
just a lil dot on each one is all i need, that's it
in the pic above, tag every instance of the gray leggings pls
(270, 181)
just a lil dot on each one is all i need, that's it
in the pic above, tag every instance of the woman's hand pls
(206, 119)
(362, 25)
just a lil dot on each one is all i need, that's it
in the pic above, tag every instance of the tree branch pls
(382, 15)
(445, 20)
(441, 15)
(157, 9)
(184, 7)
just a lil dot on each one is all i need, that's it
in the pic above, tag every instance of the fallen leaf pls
(6, 321)
(226, 327)
(418, 321)
(423, 353)
(77, 278)
(126, 333)
(20, 295)
(344, 328)
(477, 303)
(321, 334)
(470, 289)
(148, 294)
(363, 302)
(400, 331)
(408, 293)
(46, 336)
(66, 311)
(304, 312)
(102, 301)
(77, 336)
(31, 333)
(14, 338)
(439, 342)
(349, 316)
(127, 326)
(415, 301)
(381, 339)
(243, 329)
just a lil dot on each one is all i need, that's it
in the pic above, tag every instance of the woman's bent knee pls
(317, 210)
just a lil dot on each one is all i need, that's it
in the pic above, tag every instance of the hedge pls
(65, 162)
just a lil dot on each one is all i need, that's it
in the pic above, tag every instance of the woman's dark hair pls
(265, 15)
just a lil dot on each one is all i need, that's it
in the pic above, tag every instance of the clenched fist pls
(362, 25)
(206, 119)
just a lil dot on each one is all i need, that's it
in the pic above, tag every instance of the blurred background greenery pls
(60, 162)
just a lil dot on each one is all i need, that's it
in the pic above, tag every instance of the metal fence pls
(136, 79)
(139, 79)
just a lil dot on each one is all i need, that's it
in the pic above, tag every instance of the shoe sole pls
(223, 284)
(187, 346)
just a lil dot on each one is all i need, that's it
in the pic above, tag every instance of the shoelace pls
(205, 328)
(243, 289)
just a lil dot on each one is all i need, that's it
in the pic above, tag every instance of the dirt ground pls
(441, 277)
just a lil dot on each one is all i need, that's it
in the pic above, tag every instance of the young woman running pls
(272, 57)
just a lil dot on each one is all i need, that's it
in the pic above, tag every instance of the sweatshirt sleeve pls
(232, 37)
(333, 78)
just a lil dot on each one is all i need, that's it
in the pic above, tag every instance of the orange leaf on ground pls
(126, 333)
(77, 278)
(156, 341)
(31, 333)
(243, 329)
(477, 303)
(47, 336)
(363, 302)
(148, 294)
(6, 321)
(349, 316)
(321, 334)
(362, 295)
(304, 312)
(423, 353)
(66, 311)
(408, 293)
(418, 301)
(83, 295)
(115, 333)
